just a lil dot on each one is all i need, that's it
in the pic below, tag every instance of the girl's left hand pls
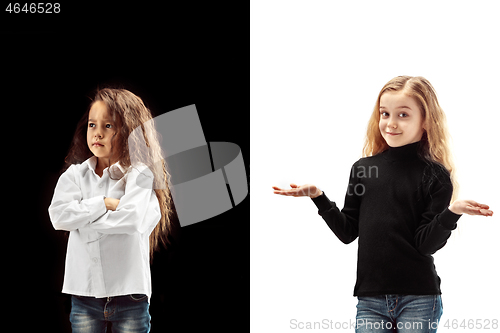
(470, 207)
(111, 203)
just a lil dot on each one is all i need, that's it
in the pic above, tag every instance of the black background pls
(170, 56)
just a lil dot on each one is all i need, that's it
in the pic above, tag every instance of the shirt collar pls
(116, 169)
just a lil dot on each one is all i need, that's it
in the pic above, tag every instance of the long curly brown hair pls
(129, 112)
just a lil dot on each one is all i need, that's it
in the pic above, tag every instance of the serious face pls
(100, 130)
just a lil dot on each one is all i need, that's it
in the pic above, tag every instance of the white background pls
(316, 70)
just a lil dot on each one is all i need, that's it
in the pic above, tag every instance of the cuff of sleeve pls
(322, 202)
(95, 206)
(448, 219)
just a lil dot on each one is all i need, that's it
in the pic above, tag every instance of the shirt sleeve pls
(67, 210)
(343, 223)
(138, 210)
(437, 220)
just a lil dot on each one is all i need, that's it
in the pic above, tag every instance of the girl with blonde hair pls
(116, 204)
(400, 202)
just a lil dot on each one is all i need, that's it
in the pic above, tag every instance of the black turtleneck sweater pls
(396, 203)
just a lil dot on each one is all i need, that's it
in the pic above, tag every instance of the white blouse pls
(108, 251)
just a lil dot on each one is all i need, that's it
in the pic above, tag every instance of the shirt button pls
(95, 260)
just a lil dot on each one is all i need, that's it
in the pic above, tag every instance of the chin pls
(98, 155)
(391, 142)
(394, 143)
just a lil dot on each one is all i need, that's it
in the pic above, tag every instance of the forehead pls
(99, 111)
(395, 99)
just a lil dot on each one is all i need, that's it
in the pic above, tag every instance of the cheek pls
(382, 124)
(414, 127)
(89, 138)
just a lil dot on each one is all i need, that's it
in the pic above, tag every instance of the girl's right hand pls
(307, 190)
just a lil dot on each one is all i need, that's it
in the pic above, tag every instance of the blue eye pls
(108, 126)
(91, 125)
(403, 115)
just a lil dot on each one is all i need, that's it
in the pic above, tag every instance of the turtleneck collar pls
(406, 152)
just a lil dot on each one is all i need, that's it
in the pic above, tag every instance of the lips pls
(97, 144)
(391, 133)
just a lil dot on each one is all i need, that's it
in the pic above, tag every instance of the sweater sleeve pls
(437, 220)
(343, 223)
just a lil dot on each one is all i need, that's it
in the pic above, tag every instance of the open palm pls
(307, 190)
(470, 207)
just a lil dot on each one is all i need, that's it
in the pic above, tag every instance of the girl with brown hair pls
(401, 203)
(118, 209)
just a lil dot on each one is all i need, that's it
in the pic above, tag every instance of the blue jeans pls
(128, 313)
(399, 313)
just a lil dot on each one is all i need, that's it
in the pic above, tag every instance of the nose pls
(97, 134)
(392, 123)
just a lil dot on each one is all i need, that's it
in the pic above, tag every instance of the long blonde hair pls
(129, 112)
(435, 142)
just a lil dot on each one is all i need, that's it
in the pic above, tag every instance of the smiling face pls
(401, 120)
(100, 130)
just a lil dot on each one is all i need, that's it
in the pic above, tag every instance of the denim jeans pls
(399, 313)
(128, 313)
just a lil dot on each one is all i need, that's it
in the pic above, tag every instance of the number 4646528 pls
(477, 324)
(40, 8)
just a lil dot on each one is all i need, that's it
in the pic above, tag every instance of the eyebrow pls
(109, 120)
(399, 107)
